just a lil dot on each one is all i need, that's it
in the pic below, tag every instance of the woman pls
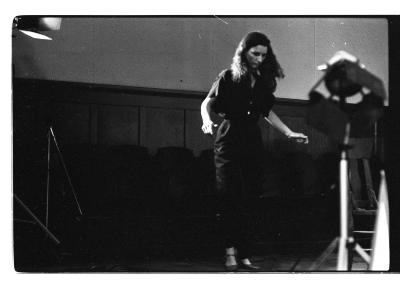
(240, 95)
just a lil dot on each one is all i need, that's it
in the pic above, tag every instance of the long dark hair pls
(270, 68)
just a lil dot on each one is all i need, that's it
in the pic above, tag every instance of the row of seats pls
(107, 179)
(172, 176)
(137, 197)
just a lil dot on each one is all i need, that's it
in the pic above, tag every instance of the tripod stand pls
(50, 136)
(345, 242)
(344, 77)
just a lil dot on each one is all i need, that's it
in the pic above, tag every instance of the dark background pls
(145, 204)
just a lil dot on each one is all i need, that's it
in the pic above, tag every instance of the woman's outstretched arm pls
(279, 125)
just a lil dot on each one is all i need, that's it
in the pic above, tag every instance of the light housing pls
(34, 25)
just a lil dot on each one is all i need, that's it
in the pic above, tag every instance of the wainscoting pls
(109, 115)
(153, 118)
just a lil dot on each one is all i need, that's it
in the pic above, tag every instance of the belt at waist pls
(246, 119)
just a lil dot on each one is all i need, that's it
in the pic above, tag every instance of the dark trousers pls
(236, 206)
(238, 160)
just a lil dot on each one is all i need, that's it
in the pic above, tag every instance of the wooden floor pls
(267, 264)
(288, 259)
(289, 238)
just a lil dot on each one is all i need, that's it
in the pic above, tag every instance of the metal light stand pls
(345, 242)
(35, 24)
(44, 227)
(50, 136)
(344, 76)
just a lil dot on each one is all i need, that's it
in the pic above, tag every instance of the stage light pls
(338, 81)
(344, 77)
(36, 35)
(34, 25)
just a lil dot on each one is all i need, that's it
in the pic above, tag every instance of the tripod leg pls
(329, 250)
(54, 238)
(66, 171)
(48, 177)
(343, 256)
(362, 253)
(351, 242)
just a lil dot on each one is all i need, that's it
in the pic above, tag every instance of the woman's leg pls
(250, 174)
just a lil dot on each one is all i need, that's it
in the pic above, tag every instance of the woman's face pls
(255, 56)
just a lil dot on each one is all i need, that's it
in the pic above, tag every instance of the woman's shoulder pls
(225, 74)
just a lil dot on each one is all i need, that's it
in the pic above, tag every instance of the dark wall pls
(154, 118)
(392, 139)
(108, 116)
(138, 155)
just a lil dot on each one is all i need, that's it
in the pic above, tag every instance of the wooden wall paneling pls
(279, 144)
(136, 96)
(291, 108)
(110, 115)
(29, 121)
(93, 124)
(362, 148)
(117, 125)
(196, 140)
(298, 124)
(294, 115)
(161, 127)
(320, 143)
(71, 122)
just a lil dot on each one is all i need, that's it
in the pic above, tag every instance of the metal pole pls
(343, 251)
(343, 256)
(54, 238)
(48, 178)
(66, 171)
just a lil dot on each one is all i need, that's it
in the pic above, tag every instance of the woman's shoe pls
(230, 259)
(230, 262)
(247, 265)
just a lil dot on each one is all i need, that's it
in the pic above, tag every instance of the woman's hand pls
(208, 127)
(299, 137)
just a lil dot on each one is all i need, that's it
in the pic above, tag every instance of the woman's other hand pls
(208, 127)
(299, 137)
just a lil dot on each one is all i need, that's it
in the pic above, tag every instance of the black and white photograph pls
(222, 144)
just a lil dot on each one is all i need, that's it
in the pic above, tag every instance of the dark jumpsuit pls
(238, 150)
